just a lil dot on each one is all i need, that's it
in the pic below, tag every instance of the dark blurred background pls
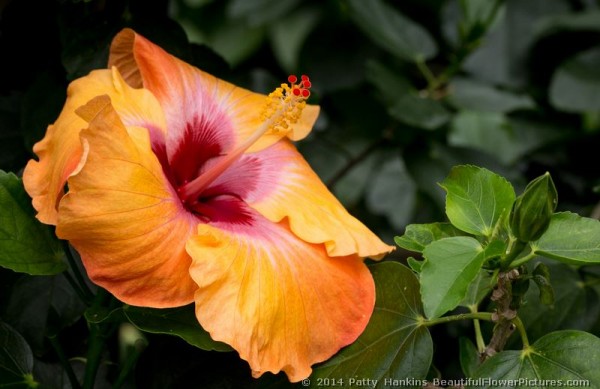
(408, 89)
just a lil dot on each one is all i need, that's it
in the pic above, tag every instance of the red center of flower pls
(209, 175)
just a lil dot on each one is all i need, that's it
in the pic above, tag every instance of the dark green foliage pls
(408, 90)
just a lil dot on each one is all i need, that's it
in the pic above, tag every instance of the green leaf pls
(450, 267)
(580, 21)
(288, 34)
(420, 112)
(392, 193)
(575, 86)
(472, 95)
(26, 245)
(564, 355)
(16, 360)
(258, 12)
(415, 265)
(468, 356)
(576, 305)
(41, 306)
(476, 199)
(478, 289)
(570, 238)
(533, 209)
(417, 236)
(390, 84)
(391, 30)
(394, 345)
(180, 322)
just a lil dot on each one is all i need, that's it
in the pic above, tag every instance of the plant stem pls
(129, 363)
(478, 335)
(462, 316)
(516, 249)
(432, 82)
(64, 362)
(521, 328)
(523, 260)
(75, 269)
(98, 334)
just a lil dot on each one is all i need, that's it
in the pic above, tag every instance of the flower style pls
(185, 188)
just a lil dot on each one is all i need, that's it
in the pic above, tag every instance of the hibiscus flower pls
(185, 188)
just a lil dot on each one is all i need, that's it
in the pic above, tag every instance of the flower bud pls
(532, 210)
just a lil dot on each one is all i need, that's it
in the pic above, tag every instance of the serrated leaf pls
(394, 345)
(16, 360)
(450, 267)
(180, 322)
(391, 30)
(575, 86)
(476, 199)
(417, 236)
(570, 238)
(472, 95)
(558, 356)
(26, 245)
(420, 112)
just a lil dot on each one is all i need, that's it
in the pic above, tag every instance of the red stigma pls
(292, 79)
(305, 93)
(296, 91)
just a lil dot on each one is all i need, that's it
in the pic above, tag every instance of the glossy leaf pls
(394, 345)
(390, 84)
(575, 86)
(559, 356)
(476, 199)
(570, 238)
(180, 322)
(417, 236)
(451, 266)
(391, 30)
(16, 360)
(26, 245)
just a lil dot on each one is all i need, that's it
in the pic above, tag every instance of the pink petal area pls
(60, 151)
(217, 111)
(123, 217)
(279, 184)
(282, 303)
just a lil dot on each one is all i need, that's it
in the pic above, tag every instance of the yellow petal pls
(282, 303)
(191, 97)
(60, 151)
(292, 190)
(123, 217)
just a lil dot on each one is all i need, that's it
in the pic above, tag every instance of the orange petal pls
(282, 303)
(292, 190)
(191, 96)
(60, 151)
(123, 217)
